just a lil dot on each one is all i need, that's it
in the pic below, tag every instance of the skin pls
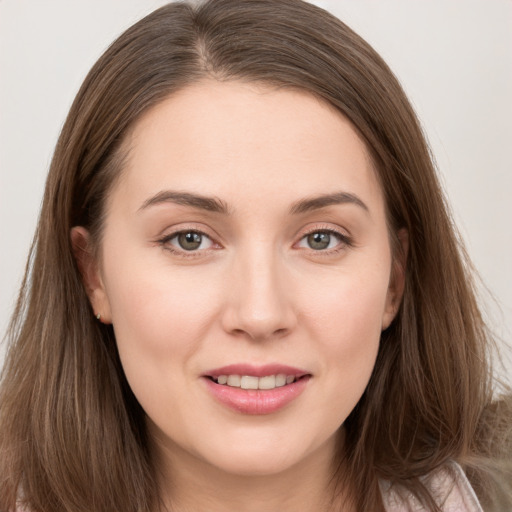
(255, 291)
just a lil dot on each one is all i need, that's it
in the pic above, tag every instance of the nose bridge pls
(259, 303)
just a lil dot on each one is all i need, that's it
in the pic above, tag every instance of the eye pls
(322, 240)
(189, 241)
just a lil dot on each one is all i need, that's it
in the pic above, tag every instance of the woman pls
(245, 292)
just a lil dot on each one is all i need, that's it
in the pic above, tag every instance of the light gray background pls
(453, 57)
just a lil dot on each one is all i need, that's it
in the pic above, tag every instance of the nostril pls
(256, 335)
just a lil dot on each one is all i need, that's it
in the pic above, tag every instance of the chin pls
(259, 455)
(259, 464)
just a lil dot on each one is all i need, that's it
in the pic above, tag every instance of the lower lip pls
(257, 401)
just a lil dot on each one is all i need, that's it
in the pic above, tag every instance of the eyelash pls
(344, 242)
(164, 242)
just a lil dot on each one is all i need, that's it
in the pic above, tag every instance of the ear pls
(397, 279)
(90, 272)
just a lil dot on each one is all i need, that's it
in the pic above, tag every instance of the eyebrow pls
(216, 205)
(322, 201)
(210, 204)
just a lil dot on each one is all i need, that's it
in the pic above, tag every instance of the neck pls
(188, 483)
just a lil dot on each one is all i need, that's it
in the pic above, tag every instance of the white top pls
(448, 485)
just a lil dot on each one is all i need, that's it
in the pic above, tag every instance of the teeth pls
(251, 382)
(267, 382)
(234, 381)
(247, 382)
(281, 380)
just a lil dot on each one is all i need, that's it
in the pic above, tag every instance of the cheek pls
(152, 303)
(349, 307)
(346, 326)
(160, 318)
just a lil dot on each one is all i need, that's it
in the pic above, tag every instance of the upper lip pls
(256, 370)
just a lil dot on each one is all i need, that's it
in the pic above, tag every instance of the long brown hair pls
(72, 435)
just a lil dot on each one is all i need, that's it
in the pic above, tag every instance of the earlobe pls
(397, 280)
(89, 271)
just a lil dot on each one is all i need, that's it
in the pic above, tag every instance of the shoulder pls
(448, 485)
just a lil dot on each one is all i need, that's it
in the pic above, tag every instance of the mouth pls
(253, 382)
(254, 390)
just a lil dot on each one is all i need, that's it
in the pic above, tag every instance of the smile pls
(256, 390)
(253, 382)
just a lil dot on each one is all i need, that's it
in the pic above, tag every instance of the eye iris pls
(319, 241)
(190, 240)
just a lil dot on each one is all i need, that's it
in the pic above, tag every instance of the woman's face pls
(245, 246)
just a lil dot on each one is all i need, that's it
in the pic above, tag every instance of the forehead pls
(234, 137)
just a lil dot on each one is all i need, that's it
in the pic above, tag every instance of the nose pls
(259, 304)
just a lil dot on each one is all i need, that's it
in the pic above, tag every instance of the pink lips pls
(256, 401)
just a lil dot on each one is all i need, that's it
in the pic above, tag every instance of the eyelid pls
(345, 238)
(164, 240)
(204, 239)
